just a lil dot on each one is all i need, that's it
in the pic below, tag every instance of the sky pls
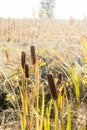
(64, 9)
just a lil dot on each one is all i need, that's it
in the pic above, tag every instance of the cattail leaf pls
(68, 117)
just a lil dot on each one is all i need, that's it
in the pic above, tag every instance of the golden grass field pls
(28, 102)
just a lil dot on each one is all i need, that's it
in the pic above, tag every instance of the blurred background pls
(60, 9)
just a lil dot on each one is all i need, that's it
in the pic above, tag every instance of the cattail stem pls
(22, 81)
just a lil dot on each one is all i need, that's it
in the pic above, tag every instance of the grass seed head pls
(52, 86)
(23, 57)
(33, 58)
(26, 71)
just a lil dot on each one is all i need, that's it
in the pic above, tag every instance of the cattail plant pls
(52, 86)
(54, 94)
(55, 97)
(23, 59)
(60, 84)
(33, 58)
(24, 93)
(60, 88)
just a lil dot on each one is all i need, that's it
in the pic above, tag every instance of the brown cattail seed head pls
(52, 86)
(26, 71)
(33, 58)
(23, 56)
(60, 77)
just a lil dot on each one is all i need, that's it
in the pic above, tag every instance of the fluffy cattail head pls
(23, 58)
(26, 71)
(52, 86)
(33, 58)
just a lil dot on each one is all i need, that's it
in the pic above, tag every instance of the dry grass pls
(62, 46)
